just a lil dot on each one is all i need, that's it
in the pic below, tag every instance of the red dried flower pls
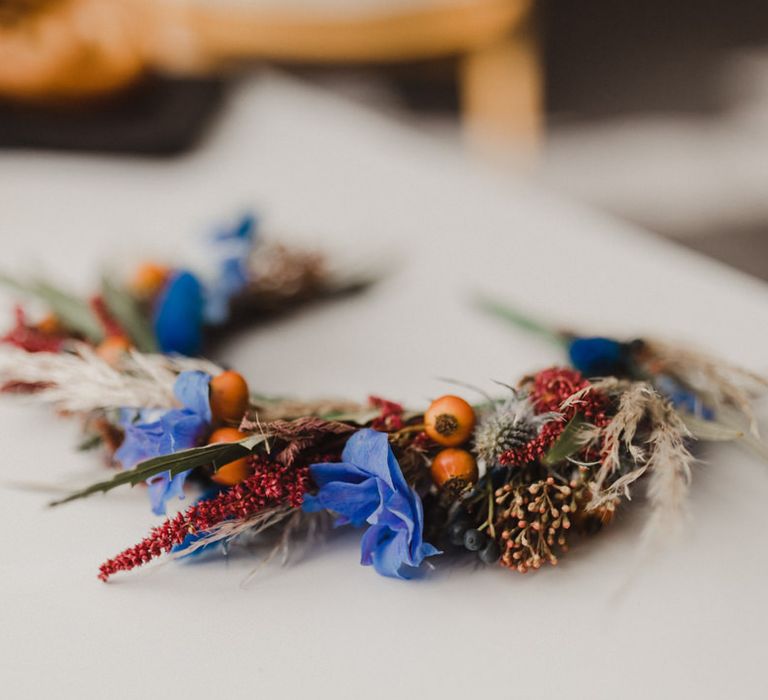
(551, 387)
(30, 338)
(391, 417)
(271, 485)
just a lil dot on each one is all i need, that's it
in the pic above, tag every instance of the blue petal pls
(354, 502)
(233, 250)
(177, 429)
(390, 553)
(182, 429)
(190, 539)
(327, 472)
(161, 488)
(192, 389)
(370, 450)
(682, 398)
(141, 442)
(246, 229)
(178, 321)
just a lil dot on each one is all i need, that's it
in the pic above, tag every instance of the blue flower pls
(233, 249)
(368, 487)
(151, 433)
(178, 320)
(597, 357)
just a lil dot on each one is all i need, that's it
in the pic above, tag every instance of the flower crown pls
(508, 480)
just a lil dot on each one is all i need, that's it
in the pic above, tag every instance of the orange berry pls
(149, 279)
(449, 421)
(50, 325)
(234, 472)
(454, 464)
(229, 397)
(112, 348)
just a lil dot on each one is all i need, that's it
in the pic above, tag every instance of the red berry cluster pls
(551, 387)
(271, 485)
(391, 417)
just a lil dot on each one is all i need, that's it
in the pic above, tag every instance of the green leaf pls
(12, 283)
(128, 314)
(519, 319)
(74, 313)
(569, 443)
(211, 455)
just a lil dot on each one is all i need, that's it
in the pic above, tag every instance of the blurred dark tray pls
(157, 117)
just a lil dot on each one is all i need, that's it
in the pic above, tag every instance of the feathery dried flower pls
(80, 381)
(718, 383)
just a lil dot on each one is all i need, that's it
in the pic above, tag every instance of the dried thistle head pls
(509, 425)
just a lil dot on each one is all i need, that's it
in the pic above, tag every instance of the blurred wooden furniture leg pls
(501, 93)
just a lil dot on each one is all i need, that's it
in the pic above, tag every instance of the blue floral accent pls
(368, 487)
(151, 433)
(683, 399)
(178, 321)
(233, 250)
(597, 357)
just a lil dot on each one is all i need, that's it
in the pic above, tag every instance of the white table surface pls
(693, 624)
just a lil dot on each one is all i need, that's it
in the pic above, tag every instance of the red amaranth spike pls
(271, 485)
(108, 323)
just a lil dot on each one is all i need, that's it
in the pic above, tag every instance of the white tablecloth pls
(691, 624)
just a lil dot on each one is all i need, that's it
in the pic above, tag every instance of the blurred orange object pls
(229, 397)
(63, 49)
(50, 325)
(112, 349)
(234, 472)
(149, 279)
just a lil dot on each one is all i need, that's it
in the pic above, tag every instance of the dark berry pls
(457, 532)
(474, 540)
(591, 526)
(490, 553)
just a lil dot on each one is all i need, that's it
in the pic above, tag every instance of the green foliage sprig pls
(215, 456)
